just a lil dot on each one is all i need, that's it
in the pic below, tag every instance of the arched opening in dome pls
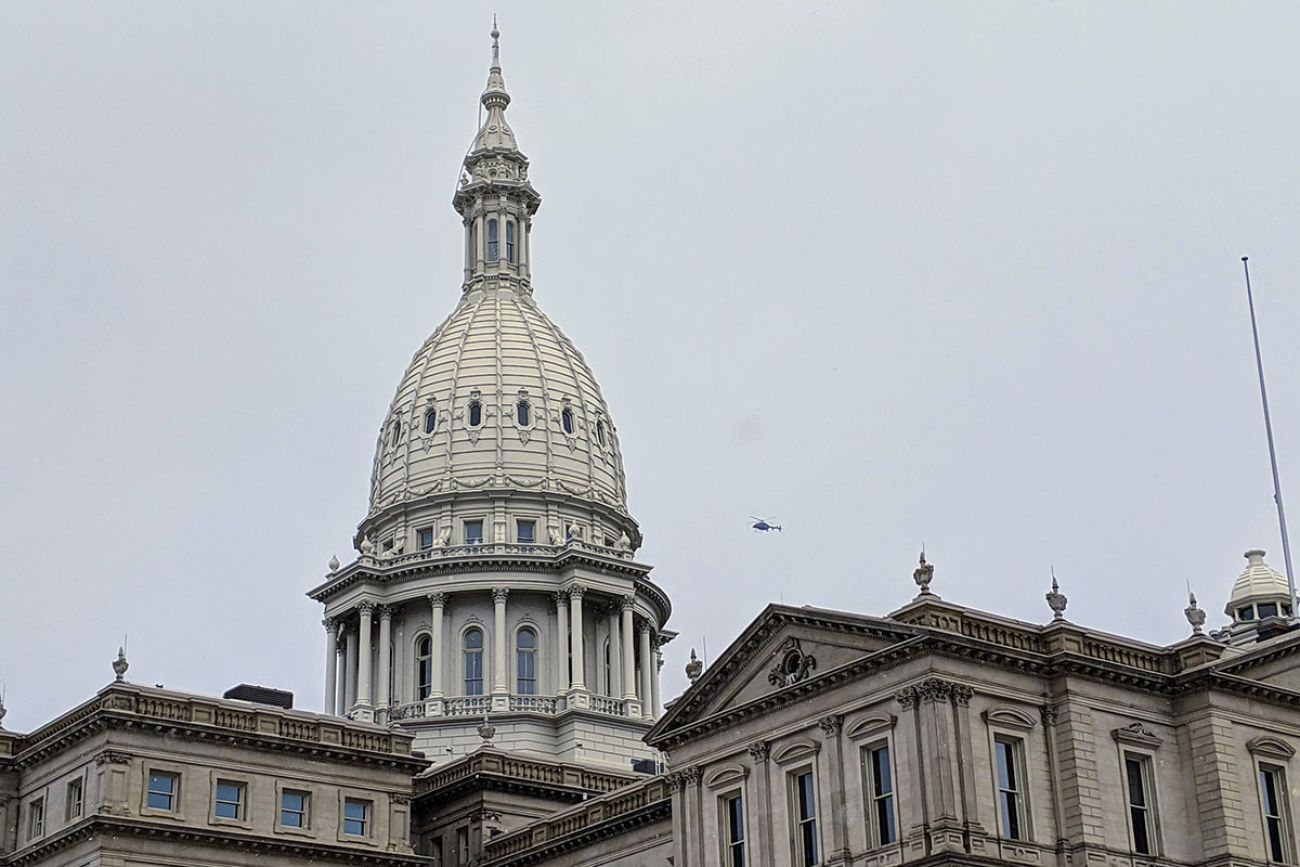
(526, 662)
(430, 420)
(566, 420)
(510, 242)
(423, 667)
(524, 413)
(474, 662)
(493, 243)
(600, 433)
(475, 413)
(397, 432)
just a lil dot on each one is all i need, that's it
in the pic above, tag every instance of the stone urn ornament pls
(1194, 613)
(486, 731)
(120, 665)
(923, 575)
(694, 668)
(1056, 600)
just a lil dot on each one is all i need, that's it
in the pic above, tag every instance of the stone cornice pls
(490, 768)
(127, 706)
(307, 850)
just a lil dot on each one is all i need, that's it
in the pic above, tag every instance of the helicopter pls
(763, 525)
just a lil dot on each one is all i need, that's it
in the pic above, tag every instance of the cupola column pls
(363, 709)
(647, 664)
(437, 605)
(341, 672)
(578, 683)
(613, 668)
(500, 690)
(385, 661)
(562, 683)
(350, 671)
(629, 660)
(331, 664)
(656, 705)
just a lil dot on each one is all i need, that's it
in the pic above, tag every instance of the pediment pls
(1276, 665)
(782, 649)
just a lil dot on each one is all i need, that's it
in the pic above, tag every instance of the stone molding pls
(1273, 747)
(1138, 735)
(1008, 717)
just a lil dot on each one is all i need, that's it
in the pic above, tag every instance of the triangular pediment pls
(783, 648)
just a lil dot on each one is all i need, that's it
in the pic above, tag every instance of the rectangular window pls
(473, 532)
(881, 776)
(424, 538)
(73, 800)
(1010, 793)
(229, 802)
(1277, 824)
(293, 808)
(163, 791)
(734, 817)
(1141, 808)
(462, 845)
(1267, 609)
(35, 818)
(805, 819)
(356, 817)
(525, 532)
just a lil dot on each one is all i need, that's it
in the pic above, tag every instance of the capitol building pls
(492, 664)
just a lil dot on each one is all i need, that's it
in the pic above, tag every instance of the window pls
(397, 431)
(424, 538)
(430, 421)
(1267, 609)
(1272, 796)
(805, 819)
(1247, 613)
(163, 789)
(293, 808)
(1138, 785)
(473, 532)
(510, 242)
(524, 413)
(462, 845)
(475, 413)
(474, 662)
(356, 817)
(1010, 800)
(734, 830)
(35, 818)
(609, 672)
(526, 662)
(229, 801)
(525, 532)
(423, 667)
(566, 420)
(73, 800)
(600, 432)
(880, 775)
(493, 247)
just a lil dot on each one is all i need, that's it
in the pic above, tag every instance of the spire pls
(495, 134)
(495, 93)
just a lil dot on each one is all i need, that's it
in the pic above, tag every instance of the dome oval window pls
(600, 433)
(524, 413)
(397, 432)
(430, 421)
(493, 243)
(566, 420)
(475, 414)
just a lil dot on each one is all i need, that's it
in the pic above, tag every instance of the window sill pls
(155, 813)
(223, 821)
(294, 832)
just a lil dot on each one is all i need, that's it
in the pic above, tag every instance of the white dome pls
(1258, 581)
(497, 349)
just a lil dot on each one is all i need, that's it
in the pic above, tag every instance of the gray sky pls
(960, 273)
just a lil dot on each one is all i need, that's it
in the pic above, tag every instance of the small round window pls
(566, 420)
(475, 414)
(524, 413)
(430, 421)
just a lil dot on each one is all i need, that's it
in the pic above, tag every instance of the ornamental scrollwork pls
(906, 697)
(794, 665)
(759, 751)
(831, 725)
(934, 689)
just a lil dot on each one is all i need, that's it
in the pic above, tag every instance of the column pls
(759, 752)
(831, 727)
(500, 689)
(646, 664)
(364, 706)
(350, 671)
(385, 642)
(579, 684)
(629, 659)
(656, 704)
(437, 605)
(331, 664)
(561, 643)
(614, 669)
(341, 667)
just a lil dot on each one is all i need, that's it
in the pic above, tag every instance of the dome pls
(1258, 581)
(498, 398)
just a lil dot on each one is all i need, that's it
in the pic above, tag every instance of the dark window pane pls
(1141, 842)
(1267, 609)
(524, 413)
(880, 771)
(1136, 794)
(527, 638)
(430, 421)
(474, 639)
(566, 419)
(493, 244)
(526, 532)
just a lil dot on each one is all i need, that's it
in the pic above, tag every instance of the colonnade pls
(349, 690)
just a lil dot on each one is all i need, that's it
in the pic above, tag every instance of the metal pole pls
(1272, 451)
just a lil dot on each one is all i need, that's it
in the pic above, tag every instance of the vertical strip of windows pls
(734, 812)
(1010, 799)
(493, 245)
(1141, 810)
(805, 819)
(510, 242)
(1277, 830)
(423, 667)
(882, 796)
(474, 662)
(526, 662)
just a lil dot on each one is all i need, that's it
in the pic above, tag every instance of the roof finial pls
(120, 665)
(923, 575)
(1195, 616)
(496, 45)
(1056, 599)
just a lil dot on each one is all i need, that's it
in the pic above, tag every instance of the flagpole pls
(1272, 451)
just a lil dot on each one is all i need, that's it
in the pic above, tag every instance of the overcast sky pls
(960, 274)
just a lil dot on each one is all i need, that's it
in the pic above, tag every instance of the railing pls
(607, 705)
(235, 719)
(479, 705)
(1156, 663)
(533, 703)
(414, 710)
(470, 705)
(496, 549)
(488, 760)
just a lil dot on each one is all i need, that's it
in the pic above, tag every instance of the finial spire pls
(495, 95)
(1056, 599)
(496, 44)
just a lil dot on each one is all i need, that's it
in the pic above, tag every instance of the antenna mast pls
(1272, 451)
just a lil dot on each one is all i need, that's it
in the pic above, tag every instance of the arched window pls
(493, 250)
(430, 420)
(510, 242)
(609, 672)
(397, 431)
(474, 662)
(566, 420)
(600, 433)
(526, 662)
(423, 667)
(475, 413)
(524, 413)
